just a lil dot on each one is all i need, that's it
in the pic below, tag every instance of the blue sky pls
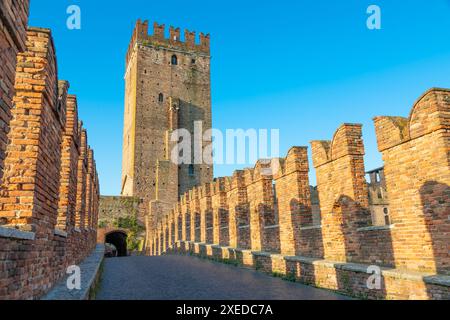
(304, 67)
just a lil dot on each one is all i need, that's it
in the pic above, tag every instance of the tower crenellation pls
(141, 35)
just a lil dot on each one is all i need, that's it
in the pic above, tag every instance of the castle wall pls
(185, 217)
(239, 212)
(348, 232)
(38, 234)
(195, 216)
(13, 34)
(205, 214)
(416, 156)
(69, 166)
(298, 235)
(113, 208)
(263, 217)
(220, 213)
(342, 190)
(114, 213)
(129, 129)
(80, 218)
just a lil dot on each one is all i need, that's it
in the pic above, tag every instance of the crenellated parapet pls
(194, 209)
(20, 207)
(43, 204)
(417, 175)
(294, 203)
(13, 37)
(343, 193)
(206, 213)
(244, 210)
(266, 211)
(239, 211)
(142, 36)
(220, 211)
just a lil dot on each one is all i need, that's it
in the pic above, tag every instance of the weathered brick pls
(39, 168)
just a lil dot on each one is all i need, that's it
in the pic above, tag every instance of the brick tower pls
(167, 88)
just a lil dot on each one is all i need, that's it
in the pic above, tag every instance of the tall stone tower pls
(167, 88)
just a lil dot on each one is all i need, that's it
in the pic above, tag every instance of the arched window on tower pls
(174, 60)
(161, 98)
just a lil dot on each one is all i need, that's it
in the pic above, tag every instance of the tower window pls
(387, 219)
(174, 60)
(191, 170)
(161, 98)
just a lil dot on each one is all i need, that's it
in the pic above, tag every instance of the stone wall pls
(114, 207)
(263, 216)
(111, 210)
(41, 233)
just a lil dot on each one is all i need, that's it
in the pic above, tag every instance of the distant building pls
(378, 198)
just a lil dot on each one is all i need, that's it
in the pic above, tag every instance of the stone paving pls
(189, 278)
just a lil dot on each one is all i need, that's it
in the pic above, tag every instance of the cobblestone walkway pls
(188, 278)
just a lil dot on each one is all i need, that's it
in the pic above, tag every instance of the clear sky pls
(304, 67)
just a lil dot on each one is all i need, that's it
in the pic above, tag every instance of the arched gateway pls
(118, 238)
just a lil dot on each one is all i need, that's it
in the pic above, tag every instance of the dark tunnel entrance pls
(119, 240)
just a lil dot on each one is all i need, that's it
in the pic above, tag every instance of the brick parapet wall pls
(206, 224)
(81, 182)
(239, 211)
(69, 160)
(33, 157)
(295, 211)
(416, 156)
(38, 238)
(194, 208)
(13, 34)
(220, 212)
(89, 190)
(344, 199)
(276, 203)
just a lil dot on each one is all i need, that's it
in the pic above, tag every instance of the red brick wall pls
(342, 191)
(416, 153)
(89, 190)
(13, 26)
(294, 204)
(205, 210)
(343, 194)
(81, 183)
(38, 187)
(220, 212)
(33, 157)
(185, 217)
(239, 212)
(69, 167)
(194, 208)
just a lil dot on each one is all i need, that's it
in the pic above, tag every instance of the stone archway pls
(118, 238)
